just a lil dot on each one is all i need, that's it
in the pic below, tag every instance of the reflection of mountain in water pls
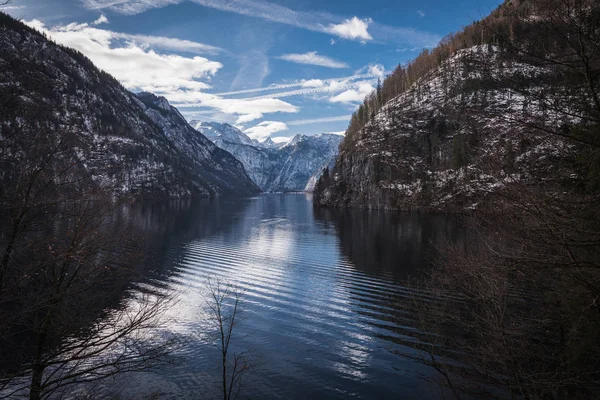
(165, 227)
(325, 295)
(390, 244)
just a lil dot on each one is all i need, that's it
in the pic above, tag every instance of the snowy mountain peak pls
(268, 143)
(276, 167)
(295, 140)
(223, 132)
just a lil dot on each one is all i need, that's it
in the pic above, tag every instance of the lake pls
(325, 296)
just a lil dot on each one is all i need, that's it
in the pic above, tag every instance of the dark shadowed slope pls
(136, 144)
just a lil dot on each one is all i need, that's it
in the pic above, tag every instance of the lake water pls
(325, 302)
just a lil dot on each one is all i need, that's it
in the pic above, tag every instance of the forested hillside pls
(502, 101)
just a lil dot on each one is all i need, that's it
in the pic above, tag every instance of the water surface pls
(325, 303)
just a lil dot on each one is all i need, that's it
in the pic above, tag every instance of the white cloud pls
(101, 20)
(265, 129)
(354, 29)
(312, 83)
(421, 13)
(193, 99)
(341, 133)
(332, 42)
(281, 139)
(376, 70)
(178, 78)
(136, 67)
(269, 11)
(312, 58)
(353, 95)
(319, 120)
(242, 119)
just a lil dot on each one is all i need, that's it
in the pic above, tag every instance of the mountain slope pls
(481, 120)
(294, 166)
(132, 144)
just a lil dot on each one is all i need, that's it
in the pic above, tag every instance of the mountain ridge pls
(136, 144)
(291, 166)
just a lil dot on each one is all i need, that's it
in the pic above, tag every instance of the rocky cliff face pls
(293, 166)
(131, 143)
(456, 135)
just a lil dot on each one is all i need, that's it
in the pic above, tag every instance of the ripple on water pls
(321, 324)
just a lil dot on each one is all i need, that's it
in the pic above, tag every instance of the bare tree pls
(223, 303)
(521, 303)
(65, 260)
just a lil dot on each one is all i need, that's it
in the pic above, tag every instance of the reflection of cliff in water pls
(166, 226)
(396, 245)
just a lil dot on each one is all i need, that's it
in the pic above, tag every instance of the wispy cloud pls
(331, 87)
(252, 52)
(319, 120)
(352, 29)
(166, 43)
(312, 58)
(254, 67)
(421, 13)
(301, 83)
(178, 78)
(8, 7)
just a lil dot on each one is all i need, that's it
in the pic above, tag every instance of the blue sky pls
(272, 68)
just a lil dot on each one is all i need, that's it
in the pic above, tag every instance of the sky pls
(271, 68)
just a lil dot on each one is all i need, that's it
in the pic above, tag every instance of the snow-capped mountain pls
(276, 167)
(270, 144)
(133, 143)
(219, 133)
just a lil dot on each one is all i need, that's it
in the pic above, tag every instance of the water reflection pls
(391, 244)
(324, 295)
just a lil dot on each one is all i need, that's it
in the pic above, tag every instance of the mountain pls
(268, 143)
(131, 143)
(482, 112)
(219, 133)
(291, 166)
